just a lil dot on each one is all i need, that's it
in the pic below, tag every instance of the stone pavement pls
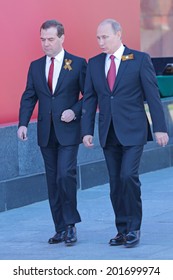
(24, 231)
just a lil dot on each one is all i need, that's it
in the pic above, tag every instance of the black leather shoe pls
(57, 238)
(119, 239)
(132, 239)
(70, 235)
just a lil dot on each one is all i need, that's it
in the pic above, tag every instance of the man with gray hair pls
(119, 80)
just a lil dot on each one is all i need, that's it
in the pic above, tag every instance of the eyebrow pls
(49, 38)
(102, 36)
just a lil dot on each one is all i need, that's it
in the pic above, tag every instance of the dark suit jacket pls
(134, 83)
(66, 96)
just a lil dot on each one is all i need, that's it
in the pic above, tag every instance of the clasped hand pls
(68, 115)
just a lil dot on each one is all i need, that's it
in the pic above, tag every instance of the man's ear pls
(62, 38)
(119, 34)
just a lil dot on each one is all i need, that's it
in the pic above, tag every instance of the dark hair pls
(53, 23)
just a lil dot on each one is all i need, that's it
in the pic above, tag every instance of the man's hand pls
(22, 133)
(162, 138)
(68, 116)
(87, 140)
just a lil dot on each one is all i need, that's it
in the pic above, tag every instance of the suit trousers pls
(125, 193)
(60, 166)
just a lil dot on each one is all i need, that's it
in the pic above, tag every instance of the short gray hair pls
(115, 24)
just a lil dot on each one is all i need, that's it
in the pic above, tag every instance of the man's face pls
(108, 40)
(51, 43)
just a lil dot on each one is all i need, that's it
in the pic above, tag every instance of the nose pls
(46, 42)
(101, 42)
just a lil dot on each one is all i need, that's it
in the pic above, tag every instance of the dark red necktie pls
(111, 73)
(50, 74)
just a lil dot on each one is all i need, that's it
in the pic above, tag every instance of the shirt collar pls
(59, 57)
(118, 54)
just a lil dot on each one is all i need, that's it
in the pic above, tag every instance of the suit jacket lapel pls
(122, 67)
(43, 75)
(63, 72)
(101, 68)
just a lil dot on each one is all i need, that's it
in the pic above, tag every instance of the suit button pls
(112, 97)
(53, 97)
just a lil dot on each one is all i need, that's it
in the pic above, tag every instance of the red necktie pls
(50, 75)
(111, 73)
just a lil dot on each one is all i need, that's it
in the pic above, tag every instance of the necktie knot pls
(112, 57)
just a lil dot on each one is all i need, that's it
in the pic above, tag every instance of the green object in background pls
(165, 84)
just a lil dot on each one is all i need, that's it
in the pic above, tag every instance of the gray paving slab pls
(24, 231)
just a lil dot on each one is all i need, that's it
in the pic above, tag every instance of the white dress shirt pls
(118, 54)
(57, 68)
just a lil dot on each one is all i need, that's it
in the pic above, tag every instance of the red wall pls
(20, 21)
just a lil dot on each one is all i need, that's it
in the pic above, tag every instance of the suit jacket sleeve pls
(89, 105)
(28, 101)
(151, 91)
(77, 108)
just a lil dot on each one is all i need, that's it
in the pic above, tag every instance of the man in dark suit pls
(55, 81)
(118, 80)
